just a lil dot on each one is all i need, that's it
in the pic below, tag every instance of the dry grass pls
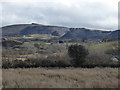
(60, 78)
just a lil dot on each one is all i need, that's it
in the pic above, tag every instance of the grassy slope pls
(35, 36)
(106, 44)
(61, 78)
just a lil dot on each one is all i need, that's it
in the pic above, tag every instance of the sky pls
(94, 14)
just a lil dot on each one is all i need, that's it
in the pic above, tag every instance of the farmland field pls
(60, 78)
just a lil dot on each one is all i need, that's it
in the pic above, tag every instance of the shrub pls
(113, 49)
(6, 64)
(78, 53)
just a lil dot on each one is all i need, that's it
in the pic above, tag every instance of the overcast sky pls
(96, 14)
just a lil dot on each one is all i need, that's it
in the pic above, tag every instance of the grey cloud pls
(91, 15)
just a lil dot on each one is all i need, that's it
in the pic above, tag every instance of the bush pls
(78, 53)
(38, 60)
(6, 64)
(113, 49)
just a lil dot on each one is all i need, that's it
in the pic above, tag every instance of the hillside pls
(90, 34)
(63, 32)
(12, 30)
(26, 29)
(53, 30)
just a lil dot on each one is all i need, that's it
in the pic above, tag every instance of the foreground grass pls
(60, 78)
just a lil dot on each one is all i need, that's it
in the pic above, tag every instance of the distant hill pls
(86, 33)
(53, 30)
(63, 32)
(26, 29)
(13, 30)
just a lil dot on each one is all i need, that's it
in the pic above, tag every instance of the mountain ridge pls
(62, 32)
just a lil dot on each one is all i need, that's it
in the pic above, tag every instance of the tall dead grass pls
(60, 78)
